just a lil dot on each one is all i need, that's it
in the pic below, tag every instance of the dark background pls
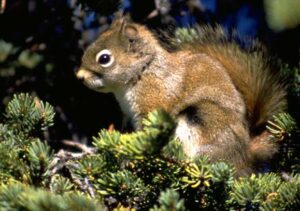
(60, 30)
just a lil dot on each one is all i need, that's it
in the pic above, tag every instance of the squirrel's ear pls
(130, 32)
(127, 30)
(125, 27)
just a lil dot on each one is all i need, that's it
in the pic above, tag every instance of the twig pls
(61, 158)
(90, 188)
(77, 182)
(82, 147)
(83, 185)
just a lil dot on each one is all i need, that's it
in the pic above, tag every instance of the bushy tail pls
(262, 148)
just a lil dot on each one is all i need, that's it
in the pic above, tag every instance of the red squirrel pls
(220, 95)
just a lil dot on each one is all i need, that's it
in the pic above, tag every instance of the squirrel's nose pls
(81, 74)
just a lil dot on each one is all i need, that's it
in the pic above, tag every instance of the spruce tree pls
(143, 170)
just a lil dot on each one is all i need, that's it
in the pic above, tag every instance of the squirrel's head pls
(118, 57)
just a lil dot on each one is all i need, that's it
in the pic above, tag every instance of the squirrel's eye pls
(105, 58)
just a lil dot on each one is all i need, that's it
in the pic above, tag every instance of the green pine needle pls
(169, 200)
(282, 126)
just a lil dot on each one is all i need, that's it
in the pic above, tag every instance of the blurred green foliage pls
(282, 14)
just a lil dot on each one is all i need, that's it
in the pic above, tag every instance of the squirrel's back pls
(250, 71)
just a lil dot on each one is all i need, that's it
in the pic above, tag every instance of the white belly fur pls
(189, 137)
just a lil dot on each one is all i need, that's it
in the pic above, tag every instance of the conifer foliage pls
(144, 170)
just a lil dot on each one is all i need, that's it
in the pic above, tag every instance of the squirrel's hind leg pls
(208, 128)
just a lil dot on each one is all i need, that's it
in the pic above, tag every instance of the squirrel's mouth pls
(90, 79)
(94, 83)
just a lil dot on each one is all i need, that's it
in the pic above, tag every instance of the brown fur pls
(220, 95)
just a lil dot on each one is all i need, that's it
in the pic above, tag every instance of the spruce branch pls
(60, 185)
(127, 171)
(173, 150)
(246, 193)
(196, 176)
(26, 114)
(125, 187)
(222, 173)
(10, 196)
(282, 126)
(157, 131)
(39, 155)
(90, 167)
(16, 196)
(169, 200)
(46, 113)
